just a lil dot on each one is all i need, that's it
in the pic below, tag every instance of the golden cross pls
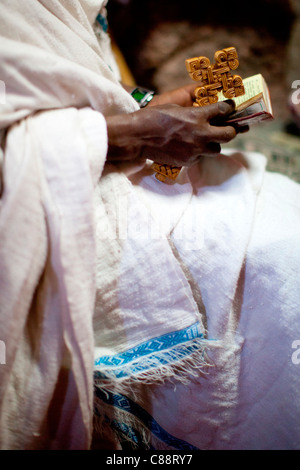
(214, 79)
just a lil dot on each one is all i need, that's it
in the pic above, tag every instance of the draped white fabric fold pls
(105, 270)
(47, 278)
(53, 154)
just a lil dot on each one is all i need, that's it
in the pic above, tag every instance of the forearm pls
(131, 135)
(123, 142)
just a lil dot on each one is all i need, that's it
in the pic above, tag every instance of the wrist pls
(123, 137)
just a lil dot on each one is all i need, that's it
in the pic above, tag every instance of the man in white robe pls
(156, 316)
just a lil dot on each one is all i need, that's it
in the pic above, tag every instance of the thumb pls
(219, 110)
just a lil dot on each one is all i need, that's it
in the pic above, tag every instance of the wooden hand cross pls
(213, 78)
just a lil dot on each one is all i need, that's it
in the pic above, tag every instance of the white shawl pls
(160, 265)
(50, 60)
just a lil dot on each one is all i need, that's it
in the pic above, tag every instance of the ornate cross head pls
(215, 77)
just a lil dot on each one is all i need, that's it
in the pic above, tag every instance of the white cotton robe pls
(178, 303)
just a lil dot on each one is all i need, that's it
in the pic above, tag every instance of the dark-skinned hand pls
(170, 130)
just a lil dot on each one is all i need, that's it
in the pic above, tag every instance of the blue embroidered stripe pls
(152, 361)
(129, 437)
(152, 346)
(126, 404)
(103, 22)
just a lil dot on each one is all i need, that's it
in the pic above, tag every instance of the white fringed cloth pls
(135, 314)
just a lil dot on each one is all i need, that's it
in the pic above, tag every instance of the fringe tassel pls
(119, 394)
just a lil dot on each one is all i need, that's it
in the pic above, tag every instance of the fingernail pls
(242, 129)
(230, 102)
(223, 106)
